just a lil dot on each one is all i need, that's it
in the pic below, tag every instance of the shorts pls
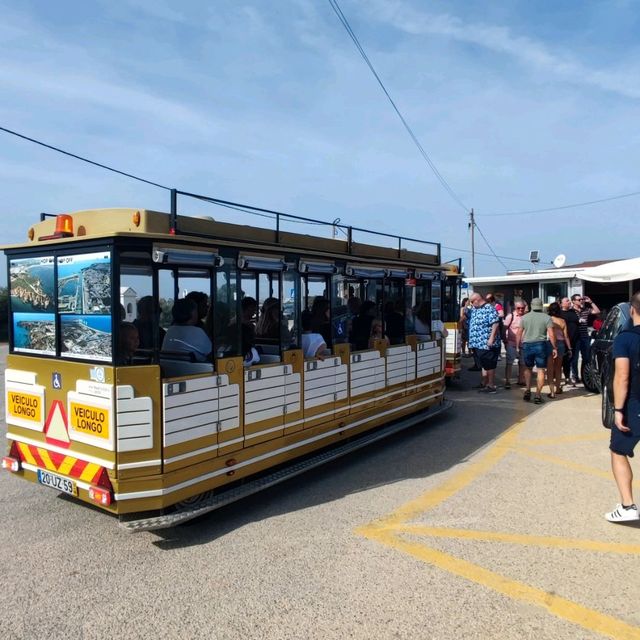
(561, 347)
(488, 358)
(535, 353)
(624, 442)
(513, 356)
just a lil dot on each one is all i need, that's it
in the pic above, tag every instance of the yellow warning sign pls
(92, 421)
(24, 406)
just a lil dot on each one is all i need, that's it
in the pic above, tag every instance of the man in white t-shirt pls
(184, 335)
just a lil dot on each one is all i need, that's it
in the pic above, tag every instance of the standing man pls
(511, 324)
(625, 434)
(585, 308)
(571, 317)
(535, 334)
(484, 337)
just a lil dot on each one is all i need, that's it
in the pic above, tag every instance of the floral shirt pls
(482, 320)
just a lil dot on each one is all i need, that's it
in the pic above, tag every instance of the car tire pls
(589, 378)
(608, 415)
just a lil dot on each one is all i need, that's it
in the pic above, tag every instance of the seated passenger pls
(202, 302)
(128, 343)
(361, 326)
(249, 308)
(147, 323)
(313, 344)
(269, 322)
(394, 321)
(320, 318)
(422, 320)
(377, 334)
(184, 334)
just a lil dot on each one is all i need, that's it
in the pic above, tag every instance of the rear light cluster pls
(101, 496)
(11, 464)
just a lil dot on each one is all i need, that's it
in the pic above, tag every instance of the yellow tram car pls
(151, 429)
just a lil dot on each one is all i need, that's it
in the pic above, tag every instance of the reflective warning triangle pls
(55, 428)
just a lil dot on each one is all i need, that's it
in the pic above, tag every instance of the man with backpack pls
(625, 434)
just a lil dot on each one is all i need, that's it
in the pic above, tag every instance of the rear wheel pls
(608, 415)
(590, 379)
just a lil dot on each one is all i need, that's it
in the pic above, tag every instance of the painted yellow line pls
(561, 607)
(468, 474)
(525, 539)
(567, 464)
(565, 439)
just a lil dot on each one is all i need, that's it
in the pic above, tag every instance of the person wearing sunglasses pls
(570, 359)
(585, 308)
(511, 325)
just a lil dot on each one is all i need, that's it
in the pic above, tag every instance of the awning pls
(619, 271)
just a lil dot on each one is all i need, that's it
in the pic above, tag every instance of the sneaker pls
(538, 400)
(491, 390)
(507, 385)
(623, 514)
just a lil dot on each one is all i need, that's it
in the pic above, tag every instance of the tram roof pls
(155, 225)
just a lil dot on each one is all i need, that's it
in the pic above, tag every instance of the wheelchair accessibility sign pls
(56, 380)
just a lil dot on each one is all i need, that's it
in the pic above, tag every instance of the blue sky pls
(521, 105)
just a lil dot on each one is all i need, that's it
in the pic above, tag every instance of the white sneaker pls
(620, 514)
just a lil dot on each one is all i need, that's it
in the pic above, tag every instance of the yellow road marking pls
(556, 605)
(431, 499)
(564, 439)
(385, 532)
(517, 538)
(568, 464)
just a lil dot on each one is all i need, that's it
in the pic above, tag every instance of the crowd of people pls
(550, 341)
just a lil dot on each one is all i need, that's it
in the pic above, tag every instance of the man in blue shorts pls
(484, 337)
(625, 434)
(538, 341)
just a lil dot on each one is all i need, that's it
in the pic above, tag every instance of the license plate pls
(57, 482)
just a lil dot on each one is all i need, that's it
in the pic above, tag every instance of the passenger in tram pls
(422, 320)
(394, 321)
(313, 344)
(377, 333)
(249, 308)
(147, 323)
(361, 326)
(268, 325)
(202, 302)
(128, 343)
(320, 318)
(184, 334)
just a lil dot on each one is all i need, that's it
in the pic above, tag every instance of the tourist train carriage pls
(451, 318)
(156, 437)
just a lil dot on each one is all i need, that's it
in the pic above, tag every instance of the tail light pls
(12, 462)
(99, 495)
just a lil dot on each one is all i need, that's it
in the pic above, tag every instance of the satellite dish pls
(559, 261)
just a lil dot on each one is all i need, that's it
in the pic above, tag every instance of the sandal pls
(551, 395)
(538, 400)
(527, 396)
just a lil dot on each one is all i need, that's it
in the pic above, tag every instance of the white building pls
(605, 282)
(128, 303)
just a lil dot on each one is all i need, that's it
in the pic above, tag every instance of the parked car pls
(597, 372)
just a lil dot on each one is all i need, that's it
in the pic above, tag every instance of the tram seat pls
(269, 358)
(182, 363)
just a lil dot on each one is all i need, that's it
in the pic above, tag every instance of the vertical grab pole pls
(277, 228)
(173, 221)
(349, 239)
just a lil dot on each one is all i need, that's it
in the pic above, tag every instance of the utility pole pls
(472, 227)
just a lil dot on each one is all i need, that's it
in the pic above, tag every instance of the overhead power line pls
(564, 206)
(489, 246)
(345, 23)
(77, 157)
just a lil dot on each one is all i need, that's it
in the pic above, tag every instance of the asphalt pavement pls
(485, 522)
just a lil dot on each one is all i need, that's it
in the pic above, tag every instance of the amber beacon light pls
(64, 228)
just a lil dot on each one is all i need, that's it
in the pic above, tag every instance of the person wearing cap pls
(535, 333)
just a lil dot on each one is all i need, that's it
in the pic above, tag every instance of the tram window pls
(227, 330)
(141, 313)
(315, 304)
(409, 306)
(422, 309)
(369, 295)
(394, 311)
(344, 306)
(436, 300)
(166, 296)
(290, 307)
(451, 306)
(196, 286)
